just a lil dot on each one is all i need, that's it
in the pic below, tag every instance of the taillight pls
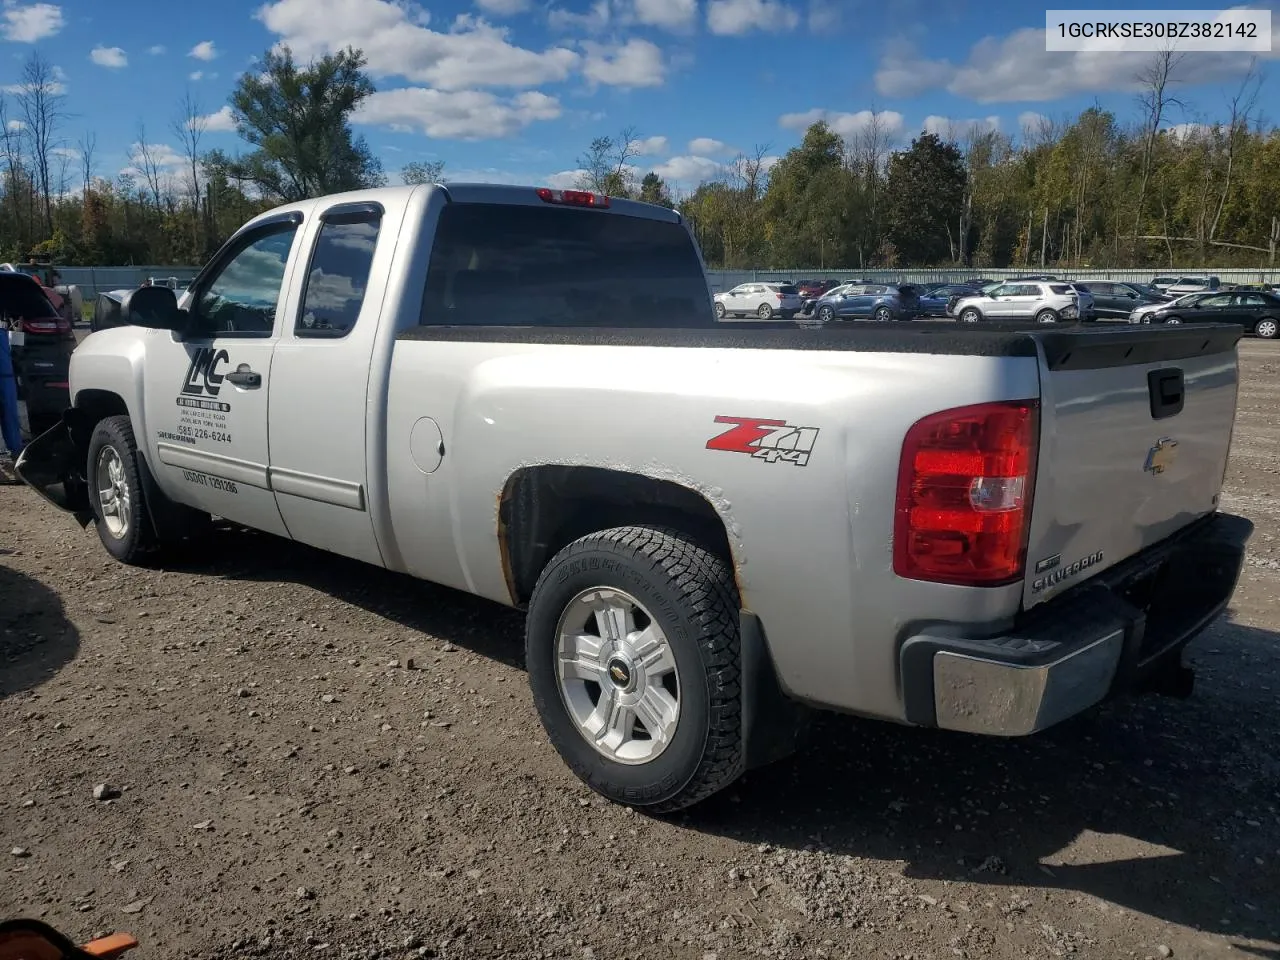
(573, 198)
(46, 327)
(964, 495)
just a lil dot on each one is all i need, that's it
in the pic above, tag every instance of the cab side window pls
(241, 298)
(338, 274)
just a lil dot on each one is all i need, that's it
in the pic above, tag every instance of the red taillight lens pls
(573, 198)
(46, 327)
(964, 495)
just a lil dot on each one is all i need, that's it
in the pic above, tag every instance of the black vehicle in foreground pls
(41, 342)
(1258, 313)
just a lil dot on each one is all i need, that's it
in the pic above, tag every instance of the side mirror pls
(153, 307)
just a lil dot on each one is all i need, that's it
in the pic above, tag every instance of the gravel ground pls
(277, 780)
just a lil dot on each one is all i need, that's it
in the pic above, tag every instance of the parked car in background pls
(1163, 283)
(1113, 300)
(1154, 293)
(1193, 285)
(880, 302)
(1250, 287)
(812, 289)
(764, 301)
(1041, 301)
(41, 341)
(1141, 311)
(934, 300)
(1258, 313)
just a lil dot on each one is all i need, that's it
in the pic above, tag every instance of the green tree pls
(423, 171)
(653, 189)
(297, 118)
(926, 185)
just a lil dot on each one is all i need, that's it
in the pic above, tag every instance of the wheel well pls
(543, 509)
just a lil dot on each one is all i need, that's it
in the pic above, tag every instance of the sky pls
(515, 90)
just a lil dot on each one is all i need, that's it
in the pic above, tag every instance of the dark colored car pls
(1114, 300)
(869, 302)
(934, 300)
(42, 358)
(1258, 313)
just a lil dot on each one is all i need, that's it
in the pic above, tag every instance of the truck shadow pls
(36, 638)
(1185, 793)
(1163, 807)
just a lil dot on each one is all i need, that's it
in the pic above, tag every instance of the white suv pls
(1041, 300)
(761, 301)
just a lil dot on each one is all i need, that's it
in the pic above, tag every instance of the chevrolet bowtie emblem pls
(1161, 457)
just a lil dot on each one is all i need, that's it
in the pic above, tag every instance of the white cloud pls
(112, 57)
(221, 121)
(636, 63)
(689, 170)
(396, 41)
(1031, 119)
(594, 20)
(824, 15)
(1187, 131)
(768, 163)
(27, 24)
(504, 8)
(204, 50)
(649, 146)
(1016, 68)
(667, 14)
(53, 88)
(16, 125)
(156, 50)
(195, 75)
(848, 125)
(456, 115)
(707, 147)
(71, 153)
(737, 17)
(565, 180)
(949, 129)
(161, 155)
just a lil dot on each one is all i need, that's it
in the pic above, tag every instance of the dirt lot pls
(289, 788)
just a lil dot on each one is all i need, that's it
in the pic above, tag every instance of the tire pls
(695, 607)
(765, 312)
(1265, 328)
(1173, 320)
(127, 534)
(719, 311)
(826, 314)
(970, 315)
(883, 314)
(1046, 316)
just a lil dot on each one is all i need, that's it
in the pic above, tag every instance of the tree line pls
(1088, 191)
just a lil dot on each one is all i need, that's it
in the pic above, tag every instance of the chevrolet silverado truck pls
(713, 529)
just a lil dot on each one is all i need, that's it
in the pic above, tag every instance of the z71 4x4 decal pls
(774, 441)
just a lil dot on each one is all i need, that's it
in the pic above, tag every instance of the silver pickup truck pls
(712, 527)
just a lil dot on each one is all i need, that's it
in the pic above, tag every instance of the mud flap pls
(772, 723)
(51, 465)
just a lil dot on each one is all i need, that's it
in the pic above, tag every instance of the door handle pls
(244, 377)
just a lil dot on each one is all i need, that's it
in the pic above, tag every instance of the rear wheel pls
(765, 312)
(115, 491)
(719, 311)
(1046, 316)
(1173, 320)
(632, 649)
(883, 314)
(1266, 329)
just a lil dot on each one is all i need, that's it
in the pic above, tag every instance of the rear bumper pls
(1107, 637)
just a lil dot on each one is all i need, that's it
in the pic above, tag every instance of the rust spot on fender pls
(504, 550)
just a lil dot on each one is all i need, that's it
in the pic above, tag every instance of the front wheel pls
(1266, 329)
(719, 311)
(632, 649)
(826, 314)
(970, 315)
(115, 491)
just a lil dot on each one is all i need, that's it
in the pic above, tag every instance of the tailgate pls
(1135, 431)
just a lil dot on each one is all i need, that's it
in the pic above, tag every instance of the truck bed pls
(1073, 347)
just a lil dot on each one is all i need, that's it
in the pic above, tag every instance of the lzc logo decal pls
(203, 377)
(774, 441)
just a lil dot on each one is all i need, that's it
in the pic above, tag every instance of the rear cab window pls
(788, 290)
(512, 265)
(1064, 288)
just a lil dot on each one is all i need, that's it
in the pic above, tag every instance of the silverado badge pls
(1160, 457)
